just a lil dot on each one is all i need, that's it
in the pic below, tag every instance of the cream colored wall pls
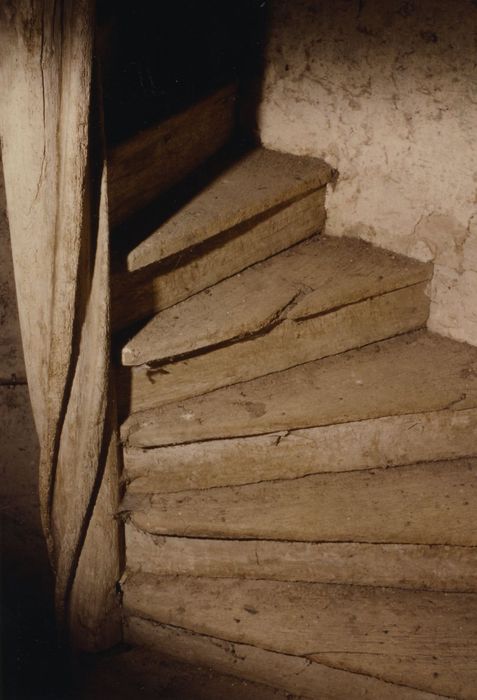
(386, 92)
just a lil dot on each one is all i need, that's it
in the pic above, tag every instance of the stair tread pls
(258, 181)
(312, 277)
(411, 373)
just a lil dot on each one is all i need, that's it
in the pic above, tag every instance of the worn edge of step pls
(416, 567)
(166, 241)
(258, 408)
(436, 631)
(365, 444)
(294, 673)
(280, 293)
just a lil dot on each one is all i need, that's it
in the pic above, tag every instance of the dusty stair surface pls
(299, 451)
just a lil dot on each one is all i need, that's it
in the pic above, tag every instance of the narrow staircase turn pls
(300, 462)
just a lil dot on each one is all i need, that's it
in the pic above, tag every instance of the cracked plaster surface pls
(386, 93)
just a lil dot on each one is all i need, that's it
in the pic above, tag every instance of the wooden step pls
(257, 182)
(144, 292)
(285, 344)
(426, 640)
(294, 674)
(364, 444)
(288, 340)
(427, 503)
(310, 278)
(424, 567)
(154, 160)
(412, 373)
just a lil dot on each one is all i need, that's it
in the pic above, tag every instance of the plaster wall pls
(387, 94)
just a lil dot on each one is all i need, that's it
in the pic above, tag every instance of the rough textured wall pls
(387, 94)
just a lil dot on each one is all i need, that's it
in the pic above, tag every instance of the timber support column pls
(56, 186)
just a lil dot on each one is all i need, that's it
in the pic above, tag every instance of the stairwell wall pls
(386, 93)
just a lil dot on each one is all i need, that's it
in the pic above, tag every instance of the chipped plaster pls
(387, 94)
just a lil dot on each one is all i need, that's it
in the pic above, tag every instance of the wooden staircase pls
(299, 452)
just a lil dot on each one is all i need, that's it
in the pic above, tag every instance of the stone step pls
(412, 373)
(417, 639)
(253, 207)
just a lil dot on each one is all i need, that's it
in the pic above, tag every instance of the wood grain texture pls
(416, 372)
(156, 159)
(253, 184)
(438, 568)
(428, 503)
(294, 674)
(285, 344)
(386, 628)
(144, 293)
(56, 187)
(312, 277)
(373, 443)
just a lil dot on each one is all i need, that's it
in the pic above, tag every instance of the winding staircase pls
(299, 451)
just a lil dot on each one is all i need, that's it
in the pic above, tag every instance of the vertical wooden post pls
(55, 181)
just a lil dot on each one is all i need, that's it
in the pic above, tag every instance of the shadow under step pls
(320, 297)
(260, 204)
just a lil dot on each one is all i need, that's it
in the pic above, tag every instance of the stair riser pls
(288, 344)
(365, 444)
(429, 503)
(140, 295)
(438, 568)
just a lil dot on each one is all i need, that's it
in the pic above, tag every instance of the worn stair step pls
(364, 444)
(422, 639)
(258, 181)
(426, 567)
(293, 673)
(412, 373)
(157, 158)
(140, 294)
(285, 344)
(310, 278)
(426, 503)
